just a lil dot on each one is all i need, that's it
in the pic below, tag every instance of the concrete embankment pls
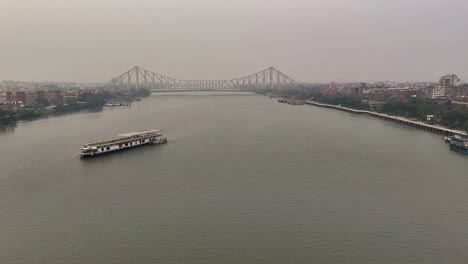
(401, 120)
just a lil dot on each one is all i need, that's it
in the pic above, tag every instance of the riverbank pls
(444, 113)
(12, 116)
(398, 119)
(86, 100)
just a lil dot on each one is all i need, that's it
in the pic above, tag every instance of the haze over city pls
(311, 40)
(233, 131)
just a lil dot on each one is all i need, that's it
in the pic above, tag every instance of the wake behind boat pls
(124, 141)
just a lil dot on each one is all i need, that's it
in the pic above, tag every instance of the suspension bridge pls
(138, 77)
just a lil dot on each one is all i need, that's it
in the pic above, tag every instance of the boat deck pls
(127, 137)
(109, 142)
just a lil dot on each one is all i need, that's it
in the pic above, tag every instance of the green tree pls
(140, 92)
(93, 100)
(42, 102)
(27, 113)
(7, 116)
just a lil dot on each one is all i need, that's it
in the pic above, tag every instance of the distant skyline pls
(309, 40)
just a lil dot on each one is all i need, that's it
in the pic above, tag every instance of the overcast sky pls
(310, 40)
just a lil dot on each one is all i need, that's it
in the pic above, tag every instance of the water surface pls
(243, 180)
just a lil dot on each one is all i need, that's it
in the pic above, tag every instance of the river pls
(243, 179)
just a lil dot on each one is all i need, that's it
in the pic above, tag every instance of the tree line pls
(41, 105)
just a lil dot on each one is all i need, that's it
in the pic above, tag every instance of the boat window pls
(108, 148)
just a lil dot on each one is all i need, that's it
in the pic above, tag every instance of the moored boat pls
(122, 142)
(459, 144)
(118, 103)
(295, 102)
(450, 139)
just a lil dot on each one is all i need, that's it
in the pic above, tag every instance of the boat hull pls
(459, 149)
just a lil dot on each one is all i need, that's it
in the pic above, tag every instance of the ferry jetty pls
(122, 142)
(398, 119)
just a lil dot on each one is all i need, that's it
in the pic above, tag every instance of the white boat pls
(123, 141)
(111, 103)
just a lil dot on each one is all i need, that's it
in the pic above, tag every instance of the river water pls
(243, 179)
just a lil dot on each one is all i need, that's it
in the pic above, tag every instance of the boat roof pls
(136, 133)
(459, 139)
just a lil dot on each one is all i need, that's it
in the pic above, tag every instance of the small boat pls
(459, 144)
(117, 103)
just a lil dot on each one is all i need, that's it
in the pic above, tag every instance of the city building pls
(449, 80)
(448, 83)
(3, 98)
(29, 98)
(374, 105)
(328, 91)
(438, 92)
(461, 93)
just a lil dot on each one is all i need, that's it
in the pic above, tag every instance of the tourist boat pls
(122, 142)
(459, 144)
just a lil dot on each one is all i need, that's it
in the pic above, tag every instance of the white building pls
(448, 87)
(438, 92)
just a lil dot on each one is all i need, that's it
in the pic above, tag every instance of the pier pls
(401, 120)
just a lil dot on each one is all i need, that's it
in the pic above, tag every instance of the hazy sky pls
(310, 40)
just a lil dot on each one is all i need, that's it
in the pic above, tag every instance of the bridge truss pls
(138, 77)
